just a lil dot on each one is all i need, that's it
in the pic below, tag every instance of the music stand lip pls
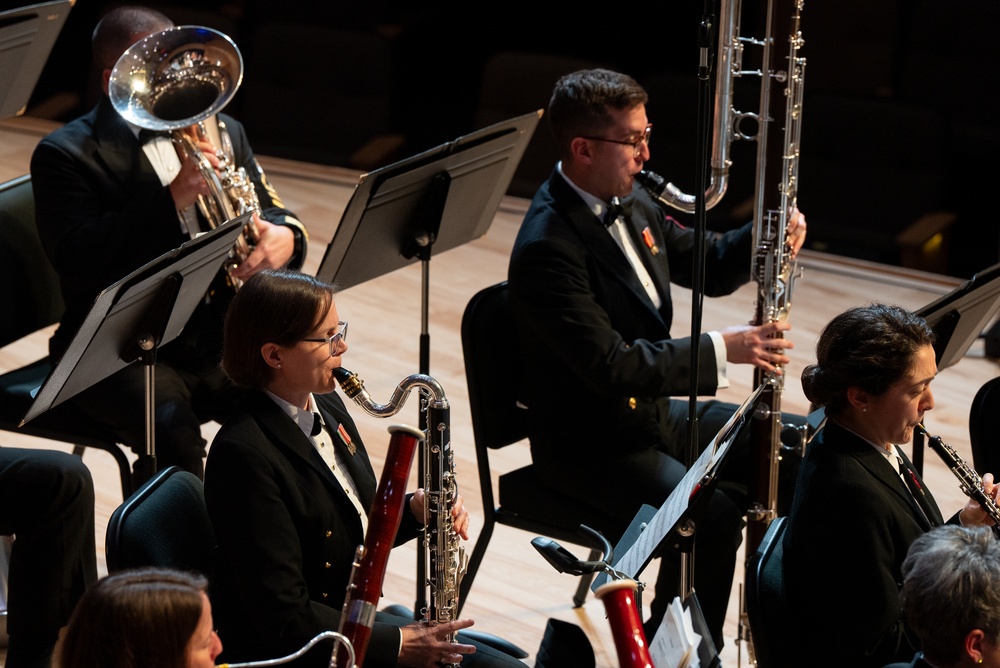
(109, 329)
(27, 35)
(959, 317)
(383, 217)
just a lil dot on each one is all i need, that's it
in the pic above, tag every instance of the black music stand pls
(674, 524)
(27, 36)
(958, 319)
(131, 319)
(436, 200)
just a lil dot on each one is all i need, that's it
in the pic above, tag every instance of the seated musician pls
(109, 199)
(289, 486)
(951, 598)
(592, 312)
(859, 504)
(142, 618)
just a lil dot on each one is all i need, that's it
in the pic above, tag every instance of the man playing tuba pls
(109, 199)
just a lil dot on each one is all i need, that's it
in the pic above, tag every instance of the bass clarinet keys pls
(445, 555)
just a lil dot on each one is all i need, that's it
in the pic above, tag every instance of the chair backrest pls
(982, 420)
(35, 300)
(490, 351)
(765, 596)
(164, 523)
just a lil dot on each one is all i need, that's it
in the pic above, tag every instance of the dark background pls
(898, 131)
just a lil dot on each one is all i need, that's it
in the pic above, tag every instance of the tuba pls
(178, 80)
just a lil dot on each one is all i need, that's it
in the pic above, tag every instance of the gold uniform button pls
(328, 534)
(326, 565)
(631, 403)
(325, 595)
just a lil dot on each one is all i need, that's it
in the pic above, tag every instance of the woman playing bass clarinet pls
(289, 484)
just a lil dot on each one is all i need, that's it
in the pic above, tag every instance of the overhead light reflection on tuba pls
(177, 81)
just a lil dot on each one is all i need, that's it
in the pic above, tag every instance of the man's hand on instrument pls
(189, 182)
(274, 249)
(796, 231)
(426, 646)
(757, 345)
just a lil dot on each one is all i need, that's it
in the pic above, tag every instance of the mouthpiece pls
(652, 182)
(349, 381)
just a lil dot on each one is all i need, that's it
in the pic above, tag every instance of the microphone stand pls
(706, 38)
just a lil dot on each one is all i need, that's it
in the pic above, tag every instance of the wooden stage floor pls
(516, 591)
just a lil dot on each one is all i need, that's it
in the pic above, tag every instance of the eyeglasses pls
(636, 144)
(334, 340)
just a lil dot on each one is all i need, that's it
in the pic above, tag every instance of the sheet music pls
(641, 551)
(676, 642)
(666, 517)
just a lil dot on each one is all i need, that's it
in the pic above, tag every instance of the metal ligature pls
(445, 554)
(177, 81)
(969, 481)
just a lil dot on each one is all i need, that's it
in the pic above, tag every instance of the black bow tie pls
(618, 207)
(317, 425)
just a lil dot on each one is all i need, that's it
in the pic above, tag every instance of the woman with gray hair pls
(951, 598)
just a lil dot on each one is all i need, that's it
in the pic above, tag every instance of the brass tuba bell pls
(177, 81)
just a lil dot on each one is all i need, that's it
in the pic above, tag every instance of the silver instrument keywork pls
(970, 481)
(446, 556)
(177, 81)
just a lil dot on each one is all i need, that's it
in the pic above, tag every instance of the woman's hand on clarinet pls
(426, 646)
(973, 514)
(460, 518)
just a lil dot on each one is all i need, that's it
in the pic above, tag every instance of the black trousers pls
(186, 396)
(621, 485)
(47, 503)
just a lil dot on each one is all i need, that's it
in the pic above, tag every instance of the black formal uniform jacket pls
(598, 362)
(851, 524)
(102, 212)
(286, 532)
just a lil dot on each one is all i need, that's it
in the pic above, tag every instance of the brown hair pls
(273, 306)
(581, 102)
(870, 347)
(142, 618)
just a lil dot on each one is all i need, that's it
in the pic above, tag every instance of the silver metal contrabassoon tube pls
(726, 120)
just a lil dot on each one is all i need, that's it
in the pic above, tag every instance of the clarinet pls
(969, 481)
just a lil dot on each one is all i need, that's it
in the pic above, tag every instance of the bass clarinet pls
(970, 481)
(445, 554)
